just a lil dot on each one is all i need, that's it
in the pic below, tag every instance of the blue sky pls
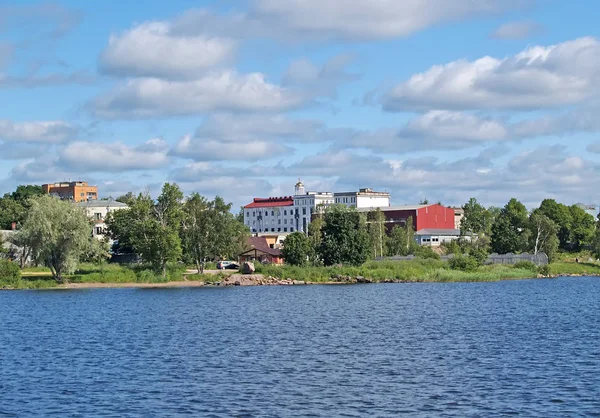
(433, 99)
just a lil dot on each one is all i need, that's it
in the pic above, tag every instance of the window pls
(272, 213)
(82, 194)
(98, 216)
(98, 230)
(285, 221)
(278, 221)
(278, 229)
(284, 229)
(253, 213)
(291, 229)
(272, 229)
(304, 211)
(285, 212)
(248, 214)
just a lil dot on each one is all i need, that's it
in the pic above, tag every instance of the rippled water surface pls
(529, 348)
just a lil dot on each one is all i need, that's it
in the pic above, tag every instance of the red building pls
(424, 216)
(260, 251)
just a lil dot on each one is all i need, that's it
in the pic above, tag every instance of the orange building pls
(77, 191)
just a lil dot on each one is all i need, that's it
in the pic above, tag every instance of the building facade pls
(77, 191)
(294, 213)
(423, 216)
(97, 210)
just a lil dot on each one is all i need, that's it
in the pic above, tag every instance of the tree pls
(128, 198)
(510, 232)
(57, 234)
(14, 206)
(151, 228)
(345, 239)
(210, 230)
(475, 219)
(543, 236)
(297, 249)
(561, 216)
(582, 228)
(377, 235)
(315, 237)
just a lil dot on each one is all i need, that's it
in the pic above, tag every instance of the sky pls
(427, 99)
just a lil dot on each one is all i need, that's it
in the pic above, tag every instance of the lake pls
(529, 348)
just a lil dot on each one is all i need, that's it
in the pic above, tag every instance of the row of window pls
(272, 230)
(285, 212)
(345, 200)
(285, 221)
(431, 240)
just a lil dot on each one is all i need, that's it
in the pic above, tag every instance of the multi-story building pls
(423, 216)
(97, 210)
(294, 213)
(272, 214)
(364, 198)
(77, 191)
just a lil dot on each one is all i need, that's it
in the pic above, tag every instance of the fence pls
(539, 259)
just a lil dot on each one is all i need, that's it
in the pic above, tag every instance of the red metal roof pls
(270, 202)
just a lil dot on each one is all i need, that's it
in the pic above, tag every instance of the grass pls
(419, 270)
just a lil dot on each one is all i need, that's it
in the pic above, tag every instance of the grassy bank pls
(413, 271)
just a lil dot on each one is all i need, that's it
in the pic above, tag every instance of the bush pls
(463, 263)
(426, 253)
(10, 272)
(544, 270)
(525, 265)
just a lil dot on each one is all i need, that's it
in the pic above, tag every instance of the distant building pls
(436, 237)
(261, 252)
(272, 214)
(364, 198)
(77, 191)
(423, 216)
(97, 210)
(294, 213)
(593, 210)
(459, 214)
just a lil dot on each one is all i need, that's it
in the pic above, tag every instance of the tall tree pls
(14, 206)
(510, 232)
(561, 216)
(475, 219)
(582, 229)
(57, 233)
(543, 236)
(297, 249)
(377, 235)
(345, 239)
(128, 198)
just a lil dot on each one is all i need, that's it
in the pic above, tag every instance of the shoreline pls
(254, 281)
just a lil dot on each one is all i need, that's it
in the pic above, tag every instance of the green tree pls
(377, 235)
(543, 237)
(57, 233)
(561, 216)
(297, 249)
(151, 228)
(315, 236)
(510, 230)
(14, 206)
(128, 198)
(475, 220)
(583, 227)
(210, 230)
(345, 239)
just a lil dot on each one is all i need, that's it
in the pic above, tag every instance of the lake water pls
(529, 348)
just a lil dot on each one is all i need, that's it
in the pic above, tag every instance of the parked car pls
(230, 265)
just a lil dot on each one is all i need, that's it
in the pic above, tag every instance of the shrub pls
(426, 253)
(10, 272)
(525, 265)
(463, 263)
(544, 270)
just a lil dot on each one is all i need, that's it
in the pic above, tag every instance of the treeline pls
(171, 229)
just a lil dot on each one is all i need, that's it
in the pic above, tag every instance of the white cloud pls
(223, 91)
(36, 131)
(320, 80)
(538, 77)
(517, 30)
(151, 50)
(109, 157)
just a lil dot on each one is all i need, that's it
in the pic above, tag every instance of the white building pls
(294, 213)
(364, 198)
(97, 210)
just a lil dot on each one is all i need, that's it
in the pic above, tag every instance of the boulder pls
(248, 268)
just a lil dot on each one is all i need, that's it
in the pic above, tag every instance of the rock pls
(248, 268)
(298, 282)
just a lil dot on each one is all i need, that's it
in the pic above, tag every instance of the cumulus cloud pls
(151, 50)
(249, 137)
(340, 19)
(37, 131)
(538, 77)
(320, 80)
(517, 30)
(110, 157)
(222, 91)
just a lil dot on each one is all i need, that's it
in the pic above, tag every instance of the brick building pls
(77, 191)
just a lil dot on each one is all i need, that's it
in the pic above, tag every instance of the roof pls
(260, 244)
(394, 208)
(270, 202)
(101, 204)
(439, 231)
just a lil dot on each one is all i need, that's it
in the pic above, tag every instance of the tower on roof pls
(299, 188)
